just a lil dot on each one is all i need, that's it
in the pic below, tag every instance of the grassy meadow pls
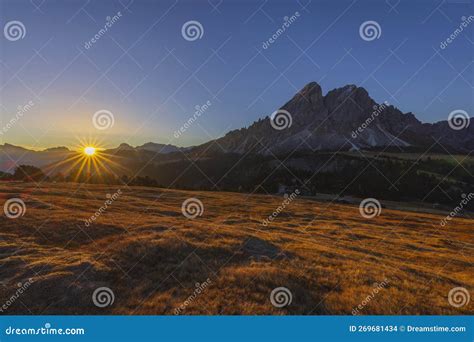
(154, 258)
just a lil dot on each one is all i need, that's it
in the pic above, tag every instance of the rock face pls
(159, 148)
(150, 147)
(345, 118)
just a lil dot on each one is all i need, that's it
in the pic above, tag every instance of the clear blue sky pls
(151, 78)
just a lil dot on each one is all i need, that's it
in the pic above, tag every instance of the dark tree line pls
(432, 180)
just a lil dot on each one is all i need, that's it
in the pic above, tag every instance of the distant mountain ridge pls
(161, 148)
(344, 119)
(12, 156)
(338, 121)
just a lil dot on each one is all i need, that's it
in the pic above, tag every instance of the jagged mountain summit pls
(160, 148)
(345, 118)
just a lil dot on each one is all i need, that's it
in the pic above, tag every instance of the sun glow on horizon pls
(89, 161)
(90, 151)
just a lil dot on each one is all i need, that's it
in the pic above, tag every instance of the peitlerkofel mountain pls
(345, 118)
(323, 143)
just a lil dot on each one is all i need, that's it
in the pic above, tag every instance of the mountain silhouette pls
(341, 142)
(345, 118)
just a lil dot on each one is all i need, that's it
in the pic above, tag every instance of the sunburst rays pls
(88, 161)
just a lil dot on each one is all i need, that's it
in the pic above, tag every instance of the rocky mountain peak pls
(344, 118)
(356, 94)
(306, 103)
(57, 149)
(125, 146)
(312, 91)
(159, 148)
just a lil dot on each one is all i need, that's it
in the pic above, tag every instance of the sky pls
(149, 76)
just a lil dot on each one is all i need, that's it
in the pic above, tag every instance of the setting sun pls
(89, 150)
(90, 161)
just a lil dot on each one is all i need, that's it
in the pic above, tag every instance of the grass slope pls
(151, 256)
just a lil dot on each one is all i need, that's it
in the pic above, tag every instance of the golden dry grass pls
(151, 256)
